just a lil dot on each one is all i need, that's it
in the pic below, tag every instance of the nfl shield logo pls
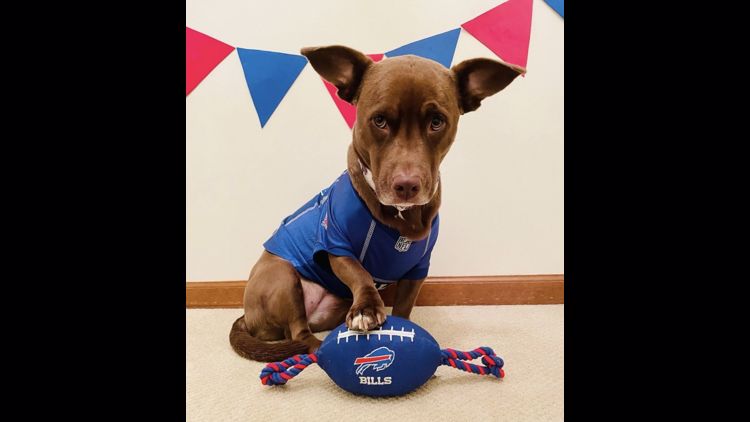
(402, 245)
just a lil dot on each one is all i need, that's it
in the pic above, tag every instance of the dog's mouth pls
(403, 206)
(399, 208)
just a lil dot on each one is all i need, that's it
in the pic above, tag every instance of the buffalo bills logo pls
(378, 359)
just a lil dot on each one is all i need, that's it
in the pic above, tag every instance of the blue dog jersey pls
(337, 221)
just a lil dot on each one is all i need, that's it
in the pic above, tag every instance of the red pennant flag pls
(505, 30)
(347, 110)
(202, 55)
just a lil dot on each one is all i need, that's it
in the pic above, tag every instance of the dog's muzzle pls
(367, 174)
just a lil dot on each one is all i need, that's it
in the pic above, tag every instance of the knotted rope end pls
(455, 358)
(278, 373)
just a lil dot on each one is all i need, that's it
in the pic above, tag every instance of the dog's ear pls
(477, 79)
(341, 66)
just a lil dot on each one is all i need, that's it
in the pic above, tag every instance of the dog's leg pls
(406, 295)
(274, 310)
(367, 311)
(298, 328)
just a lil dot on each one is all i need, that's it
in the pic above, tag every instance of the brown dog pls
(407, 115)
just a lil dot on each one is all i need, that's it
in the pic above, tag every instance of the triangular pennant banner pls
(269, 76)
(505, 30)
(558, 5)
(437, 47)
(348, 111)
(202, 55)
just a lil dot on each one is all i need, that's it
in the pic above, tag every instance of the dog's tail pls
(250, 347)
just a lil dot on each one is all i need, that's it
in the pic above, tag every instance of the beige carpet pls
(222, 386)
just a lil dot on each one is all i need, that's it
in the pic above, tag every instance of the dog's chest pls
(388, 256)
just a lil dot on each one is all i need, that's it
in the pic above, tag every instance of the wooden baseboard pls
(436, 291)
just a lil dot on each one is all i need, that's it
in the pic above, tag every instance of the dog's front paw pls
(367, 315)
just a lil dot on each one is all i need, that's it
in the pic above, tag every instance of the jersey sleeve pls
(421, 269)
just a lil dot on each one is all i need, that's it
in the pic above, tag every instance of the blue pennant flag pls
(269, 76)
(558, 5)
(437, 47)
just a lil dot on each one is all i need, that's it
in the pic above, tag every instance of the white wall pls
(502, 211)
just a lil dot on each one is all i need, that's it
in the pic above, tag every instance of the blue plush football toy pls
(395, 359)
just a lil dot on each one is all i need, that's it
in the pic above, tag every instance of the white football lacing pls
(379, 332)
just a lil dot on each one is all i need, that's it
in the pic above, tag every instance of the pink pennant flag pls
(505, 29)
(202, 55)
(347, 110)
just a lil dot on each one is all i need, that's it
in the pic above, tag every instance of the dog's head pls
(407, 113)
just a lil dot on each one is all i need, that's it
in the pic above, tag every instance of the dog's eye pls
(379, 121)
(437, 123)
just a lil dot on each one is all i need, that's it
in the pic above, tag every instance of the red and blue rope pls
(278, 373)
(456, 358)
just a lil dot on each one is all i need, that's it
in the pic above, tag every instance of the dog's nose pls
(406, 187)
